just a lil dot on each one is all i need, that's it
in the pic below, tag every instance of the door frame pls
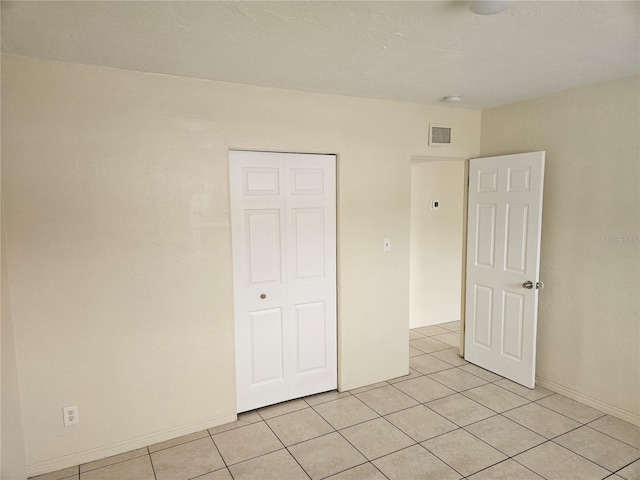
(417, 159)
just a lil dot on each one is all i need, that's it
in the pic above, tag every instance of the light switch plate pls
(386, 244)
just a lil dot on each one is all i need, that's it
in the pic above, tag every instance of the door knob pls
(263, 296)
(528, 285)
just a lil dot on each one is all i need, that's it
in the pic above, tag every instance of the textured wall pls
(12, 452)
(12, 457)
(436, 242)
(589, 328)
(119, 250)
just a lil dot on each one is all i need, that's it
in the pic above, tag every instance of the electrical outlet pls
(70, 415)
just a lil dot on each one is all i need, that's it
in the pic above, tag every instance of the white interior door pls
(283, 212)
(503, 263)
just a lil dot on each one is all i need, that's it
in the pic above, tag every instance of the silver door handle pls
(529, 285)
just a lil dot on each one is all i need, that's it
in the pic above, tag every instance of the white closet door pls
(283, 211)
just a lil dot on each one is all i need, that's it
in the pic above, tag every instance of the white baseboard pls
(99, 453)
(373, 379)
(436, 321)
(605, 407)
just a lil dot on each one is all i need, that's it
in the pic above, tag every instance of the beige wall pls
(12, 457)
(436, 242)
(589, 329)
(12, 453)
(118, 241)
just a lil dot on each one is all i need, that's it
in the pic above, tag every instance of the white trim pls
(371, 380)
(463, 275)
(430, 158)
(437, 321)
(99, 453)
(605, 407)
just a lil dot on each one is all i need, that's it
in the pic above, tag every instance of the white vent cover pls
(439, 135)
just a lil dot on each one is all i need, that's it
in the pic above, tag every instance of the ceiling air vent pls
(439, 135)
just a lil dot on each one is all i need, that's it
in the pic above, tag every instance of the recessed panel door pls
(284, 253)
(503, 263)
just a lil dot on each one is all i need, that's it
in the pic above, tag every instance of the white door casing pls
(283, 211)
(503, 254)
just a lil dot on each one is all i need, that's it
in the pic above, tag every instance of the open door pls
(503, 264)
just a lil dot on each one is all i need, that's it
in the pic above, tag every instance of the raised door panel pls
(311, 337)
(519, 179)
(512, 324)
(482, 316)
(260, 181)
(485, 241)
(308, 243)
(266, 346)
(487, 181)
(307, 181)
(517, 224)
(263, 246)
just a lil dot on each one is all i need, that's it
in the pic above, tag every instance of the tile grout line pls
(459, 427)
(622, 468)
(356, 448)
(551, 440)
(358, 423)
(228, 465)
(503, 461)
(481, 440)
(178, 444)
(220, 453)
(580, 455)
(257, 410)
(381, 472)
(546, 440)
(153, 469)
(433, 453)
(104, 466)
(346, 470)
(559, 413)
(610, 436)
(367, 461)
(538, 433)
(487, 406)
(523, 465)
(477, 403)
(287, 447)
(528, 402)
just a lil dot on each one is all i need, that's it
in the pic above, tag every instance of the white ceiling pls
(403, 50)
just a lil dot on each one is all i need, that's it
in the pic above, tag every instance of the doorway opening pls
(437, 248)
(500, 269)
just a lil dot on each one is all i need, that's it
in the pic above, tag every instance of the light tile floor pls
(446, 420)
